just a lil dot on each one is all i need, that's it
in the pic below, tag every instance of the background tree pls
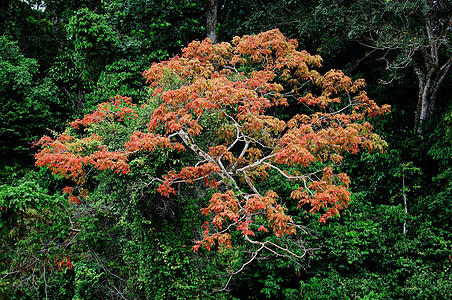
(212, 20)
(29, 104)
(409, 33)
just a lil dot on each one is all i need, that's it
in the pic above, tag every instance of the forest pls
(225, 149)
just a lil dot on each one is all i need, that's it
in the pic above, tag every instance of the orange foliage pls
(65, 262)
(238, 85)
(118, 108)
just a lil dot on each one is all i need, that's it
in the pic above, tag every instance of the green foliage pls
(364, 255)
(159, 28)
(35, 235)
(122, 77)
(437, 203)
(28, 105)
(93, 40)
(144, 247)
(87, 280)
(429, 285)
(336, 286)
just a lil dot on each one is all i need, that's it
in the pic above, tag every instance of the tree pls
(237, 115)
(29, 28)
(28, 104)
(157, 28)
(212, 20)
(409, 33)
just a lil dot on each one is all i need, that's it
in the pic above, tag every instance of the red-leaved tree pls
(242, 112)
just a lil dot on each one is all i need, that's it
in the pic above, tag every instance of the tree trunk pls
(212, 20)
(404, 203)
(433, 73)
(429, 82)
(424, 106)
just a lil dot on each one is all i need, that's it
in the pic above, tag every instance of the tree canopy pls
(217, 104)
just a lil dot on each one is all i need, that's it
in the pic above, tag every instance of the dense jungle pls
(225, 149)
